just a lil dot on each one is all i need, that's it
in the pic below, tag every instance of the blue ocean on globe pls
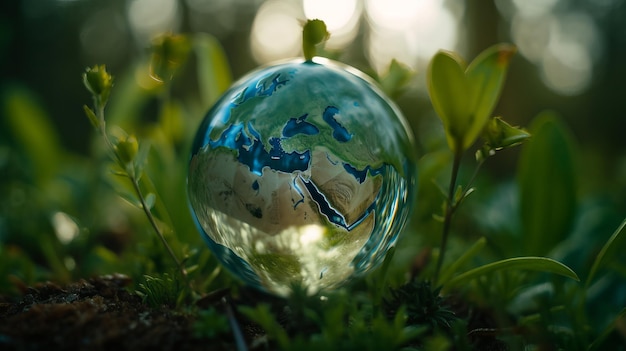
(303, 173)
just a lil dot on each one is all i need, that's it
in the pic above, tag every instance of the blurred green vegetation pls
(562, 195)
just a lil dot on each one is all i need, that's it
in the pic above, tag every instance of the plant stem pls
(155, 226)
(451, 205)
(130, 173)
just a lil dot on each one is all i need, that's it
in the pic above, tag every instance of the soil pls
(101, 314)
(95, 314)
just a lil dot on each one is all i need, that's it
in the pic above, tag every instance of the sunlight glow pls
(311, 234)
(569, 71)
(276, 31)
(532, 8)
(563, 45)
(532, 35)
(394, 14)
(409, 31)
(336, 14)
(148, 18)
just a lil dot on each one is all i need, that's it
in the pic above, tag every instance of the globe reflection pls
(302, 173)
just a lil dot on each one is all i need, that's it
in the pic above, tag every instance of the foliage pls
(512, 254)
(424, 306)
(210, 324)
(337, 321)
(465, 96)
(547, 185)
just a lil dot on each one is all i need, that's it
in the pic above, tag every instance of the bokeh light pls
(276, 31)
(564, 44)
(566, 49)
(406, 30)
(532, 8)
(149, 18)
(341, 18)
(409, 31)
(65, 227)
(394, 14)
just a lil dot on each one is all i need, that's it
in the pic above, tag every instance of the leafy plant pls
(423, 305)
(337, 321)
(161, 291)
(210, 323)
(464, 97)
(129, 161)
(166, 143)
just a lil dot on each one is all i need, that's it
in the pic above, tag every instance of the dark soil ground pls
(94, 314)
(101, 314)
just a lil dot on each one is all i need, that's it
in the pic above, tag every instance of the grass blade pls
(617, 240)
(541, 264)
(454, 267)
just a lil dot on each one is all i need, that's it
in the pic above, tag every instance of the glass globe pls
(302, 173)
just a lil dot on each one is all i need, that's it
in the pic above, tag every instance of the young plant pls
(129, 159)
(152, 171)
(314, 33)
(464, 97)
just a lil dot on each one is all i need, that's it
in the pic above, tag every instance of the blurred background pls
(571, 53)
(571, 60)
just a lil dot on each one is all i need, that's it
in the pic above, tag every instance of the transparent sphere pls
(302, 173)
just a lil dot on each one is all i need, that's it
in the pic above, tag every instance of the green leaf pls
(130, 198)
(500, 135)
(464, 98)
(547, 185)
(95, 122)
(140, 159)
(214, 74)
(485, 76)
(150, 199)
(616, 242)
(541, 264)
(449, 90)
(31, 128)
(468, 255)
